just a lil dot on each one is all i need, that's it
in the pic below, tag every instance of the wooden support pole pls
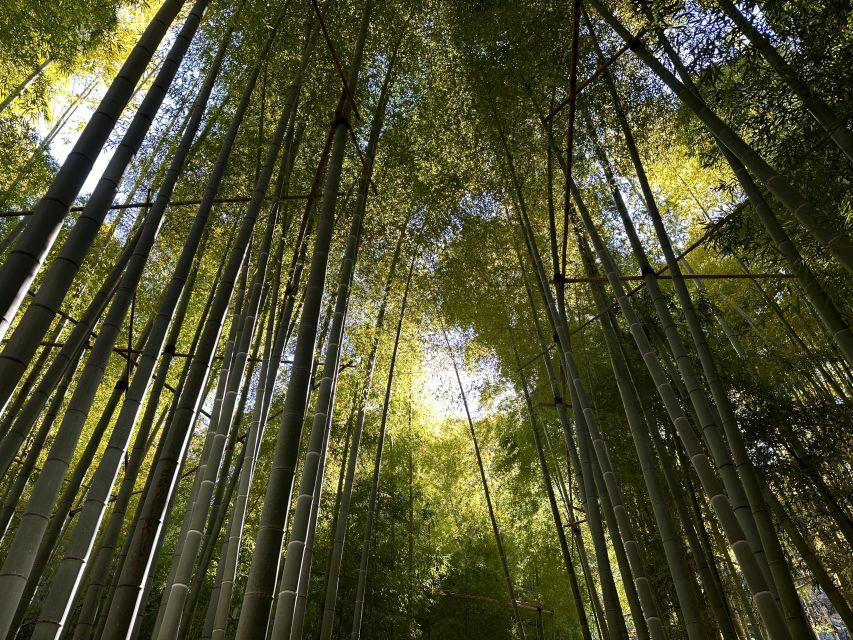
(172, 203)
(335, 59)
(595, 76)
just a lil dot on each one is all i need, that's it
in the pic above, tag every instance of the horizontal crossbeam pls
(686, 276)
(172, 203)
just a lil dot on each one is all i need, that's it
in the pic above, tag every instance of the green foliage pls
(472, 73)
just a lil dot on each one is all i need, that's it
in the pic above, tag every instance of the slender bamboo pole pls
(66, 500)
(230, 555)
(582, 462)
(225, 423)
(673, 550)
(577, 537)
(96, 571)
(24, 84)
(742, 488)
(510, 590)
(96, 580)
(22, 264)
(295, 569)
(135, 569)
(57, 606)
(763, 598)
(704, 560)
(835, 240)
(342, 512)
(827, 311)
(571, 573)
(264, 570)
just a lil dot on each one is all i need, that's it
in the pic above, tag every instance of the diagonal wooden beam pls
(595, 76)
(362, 158)
(335, 59)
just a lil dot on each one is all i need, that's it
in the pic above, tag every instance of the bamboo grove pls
(444, 319)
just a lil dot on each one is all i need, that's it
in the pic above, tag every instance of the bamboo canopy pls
(450, 319)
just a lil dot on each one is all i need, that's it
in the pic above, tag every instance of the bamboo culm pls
(820, 111)
(342, 512)
(225, 423)
(615, 621)
(135, 568)
(66, 581)
(673, 550)
(264, 569)
(829, 314)
(367, 534)
(764, 599)
(294, 570)
(22, 264)
(833, 239)
(510, 590)
(571, 573)
(59, 276)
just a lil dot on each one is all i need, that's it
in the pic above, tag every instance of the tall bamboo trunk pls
(829, 314)
(225, 423)
(708, 573)
(835, 240)
(577, 537)
(222, 432)
(112, 587)
(673, 550)
(581, 458)
(221, 502)
(66, 501)
(308, 555)
(273, 331)
(95, 572)
(219, 606)
(65, 584)
(781, 575)
(367, 535)
(295, 567)
(345, 494)
(264, 570)
(763, 597)
(221, 595)
(136, 567)
(59, 276)
(740, 487)
(46, 489)
(596, 608)
(510, 590)
(571, 573)
(22, 264)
